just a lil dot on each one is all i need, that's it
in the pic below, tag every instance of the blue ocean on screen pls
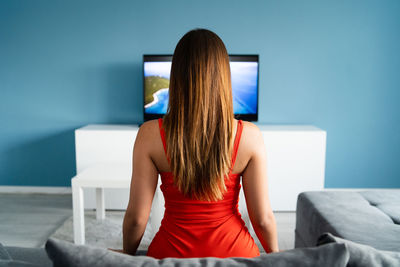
(244, 86)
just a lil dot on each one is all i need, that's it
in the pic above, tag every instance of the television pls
(244, 72)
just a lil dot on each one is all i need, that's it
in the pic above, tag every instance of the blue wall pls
(333, 64)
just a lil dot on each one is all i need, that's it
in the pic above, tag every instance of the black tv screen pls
(244, 72)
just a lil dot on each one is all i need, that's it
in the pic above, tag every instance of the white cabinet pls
(295, 161)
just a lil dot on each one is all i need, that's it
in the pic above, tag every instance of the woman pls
(201, 152)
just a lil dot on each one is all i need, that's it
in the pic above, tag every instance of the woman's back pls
(194, 228)
(243, 154)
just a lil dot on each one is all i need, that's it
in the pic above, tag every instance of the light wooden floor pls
(29, 219)
(285, 223)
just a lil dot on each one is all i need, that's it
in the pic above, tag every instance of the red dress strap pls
(236, 142)
(162, 133)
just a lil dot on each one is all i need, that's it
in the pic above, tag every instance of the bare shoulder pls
(149, 127)
(148, 133)
(251, 137)
(251, 131)
(251, 127)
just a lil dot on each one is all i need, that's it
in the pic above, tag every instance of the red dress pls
(193, 228)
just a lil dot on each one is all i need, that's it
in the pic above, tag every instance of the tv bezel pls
(233, 57)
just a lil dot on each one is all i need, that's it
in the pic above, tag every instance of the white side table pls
(98, 176)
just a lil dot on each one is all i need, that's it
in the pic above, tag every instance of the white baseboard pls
(36, 189)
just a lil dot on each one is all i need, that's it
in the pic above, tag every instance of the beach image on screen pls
(244, 87)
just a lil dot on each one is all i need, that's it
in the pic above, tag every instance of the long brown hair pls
(199, 120)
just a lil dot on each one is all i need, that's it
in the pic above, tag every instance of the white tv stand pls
(295, 161)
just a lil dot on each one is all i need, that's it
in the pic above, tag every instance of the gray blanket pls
(66, 254)
(331, 251)
(363, 255)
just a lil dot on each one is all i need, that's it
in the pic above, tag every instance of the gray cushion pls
(64, 254)
(392, 210)
(362, 255)
(386, 201)
(363, 217)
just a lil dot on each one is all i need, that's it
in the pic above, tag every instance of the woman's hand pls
(117, 250)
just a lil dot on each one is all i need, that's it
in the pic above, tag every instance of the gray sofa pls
(369, 217)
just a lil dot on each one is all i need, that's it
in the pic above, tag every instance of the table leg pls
(100, 209)
(78, 215)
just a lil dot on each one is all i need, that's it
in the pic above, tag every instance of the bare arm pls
(255, 189)
(143, 185)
